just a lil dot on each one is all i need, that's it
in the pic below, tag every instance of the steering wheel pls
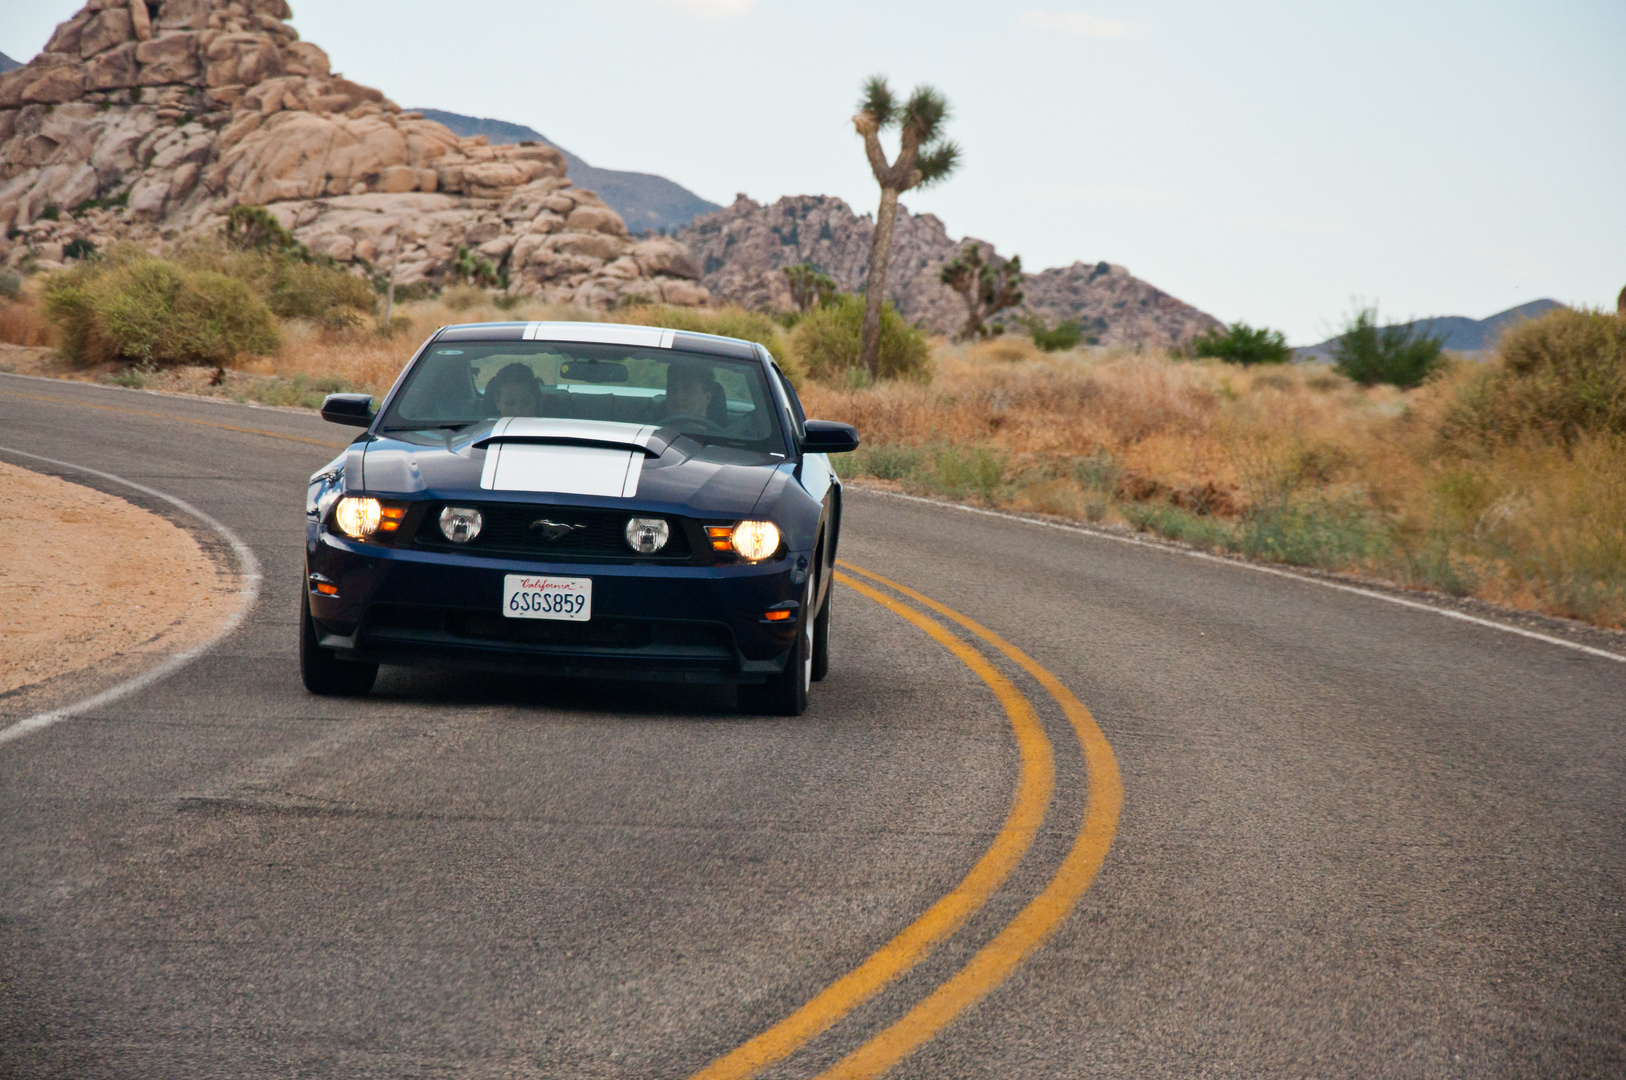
(704, 422)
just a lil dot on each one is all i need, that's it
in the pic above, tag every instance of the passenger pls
(514, 391)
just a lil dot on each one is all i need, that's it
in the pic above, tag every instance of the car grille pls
(517, 529)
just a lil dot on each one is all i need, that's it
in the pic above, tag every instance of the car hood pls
(575, 462)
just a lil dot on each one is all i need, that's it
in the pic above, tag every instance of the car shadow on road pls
(677, 701)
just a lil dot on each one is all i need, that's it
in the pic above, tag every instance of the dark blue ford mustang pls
(578, 499)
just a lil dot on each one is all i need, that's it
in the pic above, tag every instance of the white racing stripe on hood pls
(563, 469)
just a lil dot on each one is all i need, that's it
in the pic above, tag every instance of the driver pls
(692, 391)
(514, 391)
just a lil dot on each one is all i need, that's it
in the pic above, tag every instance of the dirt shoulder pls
(89, 581)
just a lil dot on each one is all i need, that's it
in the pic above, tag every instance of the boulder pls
(171, 58)
(115, 69)
(590, 218)
(140, 20)
(183, 15)
(105, 30)
(303, 58)
(663, 256)
(66, 38)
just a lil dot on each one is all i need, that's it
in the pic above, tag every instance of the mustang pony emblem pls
(555, 530)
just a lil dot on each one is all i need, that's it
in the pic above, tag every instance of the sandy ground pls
(87, 579)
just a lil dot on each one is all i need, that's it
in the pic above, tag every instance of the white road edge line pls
(1102, 534)
(249, 591)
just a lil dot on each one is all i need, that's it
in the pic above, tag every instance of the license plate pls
(528, 597)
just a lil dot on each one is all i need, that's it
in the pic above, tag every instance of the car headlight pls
(357, 516)
(648, 535)
(755, 540)
(460, 524)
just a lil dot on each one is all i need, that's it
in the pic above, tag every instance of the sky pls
(1272, 162)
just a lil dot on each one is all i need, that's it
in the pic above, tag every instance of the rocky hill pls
(1458, 332)
(646, 202)
(143, 120)
(741, 249)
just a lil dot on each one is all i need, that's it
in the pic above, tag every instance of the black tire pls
(322, 672)
(785, 694)
(821, 637)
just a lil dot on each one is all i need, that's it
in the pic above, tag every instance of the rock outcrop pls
(743, 247)
(146, 119)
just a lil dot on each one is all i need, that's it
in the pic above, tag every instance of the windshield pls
(712, 398)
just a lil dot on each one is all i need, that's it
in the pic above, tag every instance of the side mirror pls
(355, 410)
(829, 437)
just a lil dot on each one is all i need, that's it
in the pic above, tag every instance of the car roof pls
(649, 337)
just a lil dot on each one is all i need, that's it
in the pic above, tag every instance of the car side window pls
(795, 402)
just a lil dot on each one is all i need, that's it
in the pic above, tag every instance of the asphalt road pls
(1356, 840)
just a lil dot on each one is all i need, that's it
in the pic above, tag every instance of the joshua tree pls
(985, 287)
(808, 287)
(924, 157)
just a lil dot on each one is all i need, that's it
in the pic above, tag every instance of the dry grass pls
(22, 322)
(1293, 463)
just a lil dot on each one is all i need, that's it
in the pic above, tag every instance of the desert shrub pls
(1065, 335)
(22, 322)
(731, 322)
(885, 462)
(292, 286)
(1399, 353)
(1243, 344)
(825, 343)
(323, 294)
(464, 297)
(78, 249)
(150, 311)
(11, 284)
(965, 471)
(254, 228)
(1316, 532)
(1555, 378)
(472, 268)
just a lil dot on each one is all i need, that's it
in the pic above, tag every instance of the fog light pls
(357, 516)
(648, 535)
(460, 524)
(755, 540)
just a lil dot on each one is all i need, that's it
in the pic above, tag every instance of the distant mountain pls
(1461, 334)
(648, 203)
(8, 64)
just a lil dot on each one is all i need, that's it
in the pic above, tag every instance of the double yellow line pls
(1023, 934)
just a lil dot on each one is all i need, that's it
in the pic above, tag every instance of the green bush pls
(11, 283)
(886, 462)
(148, 311)
(825, 343)
(1243, 344)
(292, 287)
(1398, 353)
(1557, 378)
(1065, 335)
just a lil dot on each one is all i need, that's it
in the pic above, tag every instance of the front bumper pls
(657, 622)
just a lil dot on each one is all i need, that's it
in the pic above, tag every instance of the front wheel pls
(322, 672)
(785, 694)
(821, 637)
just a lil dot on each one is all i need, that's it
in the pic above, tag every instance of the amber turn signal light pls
(777, 616)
